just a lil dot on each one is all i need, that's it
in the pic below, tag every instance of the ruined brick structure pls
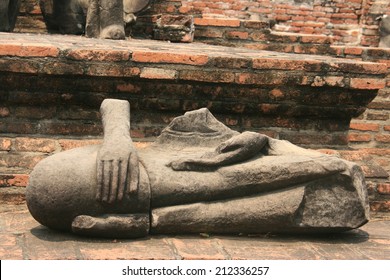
(335, 28)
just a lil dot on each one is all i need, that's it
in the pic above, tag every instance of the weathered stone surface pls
(9, 10)
(199, 176)
(384, 29)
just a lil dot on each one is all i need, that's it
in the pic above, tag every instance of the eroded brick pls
(158, 73)
(217, 22)
(364, 126)
(29, 50)
(163, 57)
(367, 83)
(24, 144)
(99, 55)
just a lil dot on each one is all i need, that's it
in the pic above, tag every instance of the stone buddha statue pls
(198, 176)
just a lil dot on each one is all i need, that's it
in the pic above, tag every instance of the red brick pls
(316, 39)
(242, 35)
(99, 55)
(386, 127)
(20, 160)
(282, 37)
(231, 62)
(29, 50)
(376, 151)
(128, 88)
(19, 127)
(78, 113)
(163, 57)
(5, 144)
(337, 50)
(364, 67)
(383, 188)
(380, 206)
(364, 126)
(356, 155)
(208, 33)
(67, 144)
(217, 22)
(34, 112)
(112, 70)
(71, 128)
(185, 10)
(158, 73)
(276, 63)
(282, 17)
(4, 112)
(379, 105)
(328, 152)
(277, 93)
(384, 138)
(334, 81)
(22, 144)
(256, 24)
(19, 66)
(359, 137)
(13, 180)
(61, 68)
(261, 79)
(353, 50)
(314, 139)
(374, 68)
(344, 15)
(377, 117)
(204, 76)
(259, 36)
(367, 83)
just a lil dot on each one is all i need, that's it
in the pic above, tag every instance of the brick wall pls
(344, 22)
(347, 21)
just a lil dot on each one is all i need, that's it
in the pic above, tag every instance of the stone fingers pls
(115, 177)
(133, 174)
(107, 173)
(114, 181)
(99, 170)
(122, 178)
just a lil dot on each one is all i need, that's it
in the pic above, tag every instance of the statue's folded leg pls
(62, 195)
(333, 203)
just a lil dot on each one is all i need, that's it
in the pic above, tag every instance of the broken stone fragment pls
(175, 28)
(384, 29)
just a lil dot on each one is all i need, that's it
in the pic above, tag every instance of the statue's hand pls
(117, 171)
(236, 149)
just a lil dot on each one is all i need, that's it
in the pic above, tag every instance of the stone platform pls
(57, 83)
(22, 238)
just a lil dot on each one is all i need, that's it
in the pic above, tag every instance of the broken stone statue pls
(384, 31)
(199, 176)
(9, 10)
(96, 18)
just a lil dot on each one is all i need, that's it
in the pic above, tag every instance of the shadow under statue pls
(199, 176)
